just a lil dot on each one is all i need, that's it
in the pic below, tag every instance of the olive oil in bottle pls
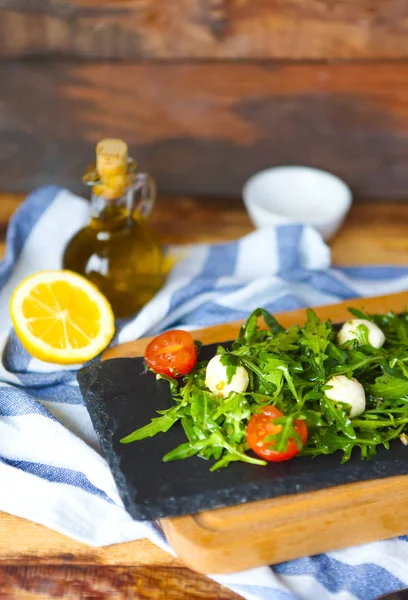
(118, 250)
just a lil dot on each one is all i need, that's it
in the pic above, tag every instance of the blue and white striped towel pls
(51, 469)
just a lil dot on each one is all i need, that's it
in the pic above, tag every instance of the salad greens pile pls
(289, 369)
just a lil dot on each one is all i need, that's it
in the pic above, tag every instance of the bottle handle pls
(145, 183)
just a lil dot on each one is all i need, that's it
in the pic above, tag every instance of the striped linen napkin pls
(51, 468)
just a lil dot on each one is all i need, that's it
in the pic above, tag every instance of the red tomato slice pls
(262, 425)
(172, 353)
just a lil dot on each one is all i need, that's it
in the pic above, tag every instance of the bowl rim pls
(338, 209)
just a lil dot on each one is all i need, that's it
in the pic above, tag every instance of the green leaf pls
(362, 334)
(401, 329)
(225, 461)
(183, 451)
(273, 325)
(357, 361)
(387, 386)
(287, 432)
(237, 418)
(190, 449)
(232, 362)
(359, 314)
(157, 425)
(239, 455)
(313, 418)
(203, 406)
(236, 456)
(276, 378)
(273, 365)
(316, 339)
(379, 423)
(187, 424)
(335, 352)
(336, 415)
(250, 327)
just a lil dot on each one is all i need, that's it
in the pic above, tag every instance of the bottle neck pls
(109, 214)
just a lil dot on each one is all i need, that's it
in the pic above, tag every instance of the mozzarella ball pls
(349, 391)
(376, 338)
(216, 378)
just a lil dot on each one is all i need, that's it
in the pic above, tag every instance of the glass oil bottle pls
(118, 250)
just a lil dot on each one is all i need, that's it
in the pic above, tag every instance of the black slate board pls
(120, 397)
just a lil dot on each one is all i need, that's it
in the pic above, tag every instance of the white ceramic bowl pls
(293, 194)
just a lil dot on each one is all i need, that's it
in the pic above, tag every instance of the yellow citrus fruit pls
(61, 317)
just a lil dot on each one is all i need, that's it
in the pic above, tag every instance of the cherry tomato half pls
(172, 353)
(261, 425)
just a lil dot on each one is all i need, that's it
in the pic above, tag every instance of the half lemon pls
(60, 317)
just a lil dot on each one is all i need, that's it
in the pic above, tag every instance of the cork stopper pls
(111, 157)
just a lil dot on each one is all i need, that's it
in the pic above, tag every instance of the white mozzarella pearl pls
(376, 337)
(349, 391)
(216, 378)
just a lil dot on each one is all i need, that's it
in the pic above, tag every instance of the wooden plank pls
(204, 129)
(105, 583)
(24, 542)
(36, 561)
(33, 553)
(373, 234)
(205, 29)
(291, 527)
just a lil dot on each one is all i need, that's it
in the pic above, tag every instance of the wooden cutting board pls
(272, 531)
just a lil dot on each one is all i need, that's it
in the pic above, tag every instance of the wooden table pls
(38, 563)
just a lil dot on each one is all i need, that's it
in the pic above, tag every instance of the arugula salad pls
(276, 393)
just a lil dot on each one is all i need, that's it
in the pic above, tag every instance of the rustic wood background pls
(206, 91)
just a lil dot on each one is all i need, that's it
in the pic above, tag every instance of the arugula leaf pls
(337, 416)
(286, 433)
(387, 386)
(316, 339)
(359, 314)
(236, 417)
(183, 451)
(313, 418)
(400, 325)
(202, 407)
(357, 361)
(273, 325)
(334, 352)
(225, 461)
(188, 425)
(272, 365)
(250, 327)
(232, 362)
(157, 425)
(362, 334)
(276, 378)
(190, 449)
